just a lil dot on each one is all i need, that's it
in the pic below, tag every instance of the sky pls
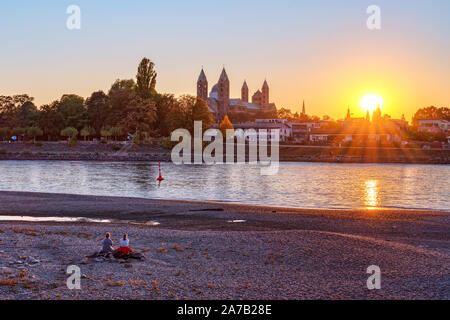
(319, 51)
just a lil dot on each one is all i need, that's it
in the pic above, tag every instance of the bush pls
(38, 144)
(116, 148)
(168, 143)
(137, 140)
(73, 142)
(3, 151)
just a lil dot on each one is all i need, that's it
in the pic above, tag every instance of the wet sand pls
(204, 250)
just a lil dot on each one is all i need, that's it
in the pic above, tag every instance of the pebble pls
(32, 260)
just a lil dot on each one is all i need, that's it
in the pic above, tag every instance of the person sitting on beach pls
(107, 244)
(124, 245)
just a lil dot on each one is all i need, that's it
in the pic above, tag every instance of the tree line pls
(131, 107)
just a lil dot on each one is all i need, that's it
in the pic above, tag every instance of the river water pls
(300, 185)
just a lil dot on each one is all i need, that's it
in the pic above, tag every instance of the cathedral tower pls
(265, 94)
(202, 86)
(244, 92)
(224, 94)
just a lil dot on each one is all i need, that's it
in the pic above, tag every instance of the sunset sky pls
(320, 51)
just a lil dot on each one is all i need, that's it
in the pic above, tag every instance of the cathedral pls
(220, 103)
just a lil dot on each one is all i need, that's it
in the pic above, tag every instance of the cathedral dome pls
(214, 92)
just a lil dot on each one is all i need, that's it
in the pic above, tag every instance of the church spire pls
(244, 92)
(202, 76)
(202, 86)
(265, 93)
(304, 108)
(224, 75)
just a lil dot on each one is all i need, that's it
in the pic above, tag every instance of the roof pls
(260, 125)
(224, 75)
(202, 76)
(433, 120)
(240, 103)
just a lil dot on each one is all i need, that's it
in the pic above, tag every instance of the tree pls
(86, 132)
(70, 133)
(187, 110)
(179, 116)
(146, 79)
(34, 132)
(200, 112)
(164, 105)
(4, 133)
(10, 107)
(106, 132)
(28, 114)
(98, 109)
(18, 132)
(140, 115)
(130, 112)
(119, 100)
(116, 132)
(284, 113)
(73, 110)
(225, 125)
(431, 113)
(121, 84)
(51, 120)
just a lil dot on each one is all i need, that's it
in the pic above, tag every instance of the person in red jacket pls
(124, 245)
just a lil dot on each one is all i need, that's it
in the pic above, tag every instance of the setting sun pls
(370, 102)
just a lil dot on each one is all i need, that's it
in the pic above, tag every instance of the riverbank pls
(88, 151)
(219, 251)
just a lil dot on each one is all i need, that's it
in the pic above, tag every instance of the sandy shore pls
(198, 252)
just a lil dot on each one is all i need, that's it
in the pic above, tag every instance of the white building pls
(434, 126)
(266, 125)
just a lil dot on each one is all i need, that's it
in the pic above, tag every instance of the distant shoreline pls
(60, 151)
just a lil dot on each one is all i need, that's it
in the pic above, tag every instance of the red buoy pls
(160, 174)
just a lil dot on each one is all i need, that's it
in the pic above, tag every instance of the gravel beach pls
(220, 251)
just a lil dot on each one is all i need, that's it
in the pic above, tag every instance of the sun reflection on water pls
(371, 199)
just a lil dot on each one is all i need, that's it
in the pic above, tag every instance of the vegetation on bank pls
(134, 110)
(131, 109)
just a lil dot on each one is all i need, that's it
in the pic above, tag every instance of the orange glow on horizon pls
(370, 102)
